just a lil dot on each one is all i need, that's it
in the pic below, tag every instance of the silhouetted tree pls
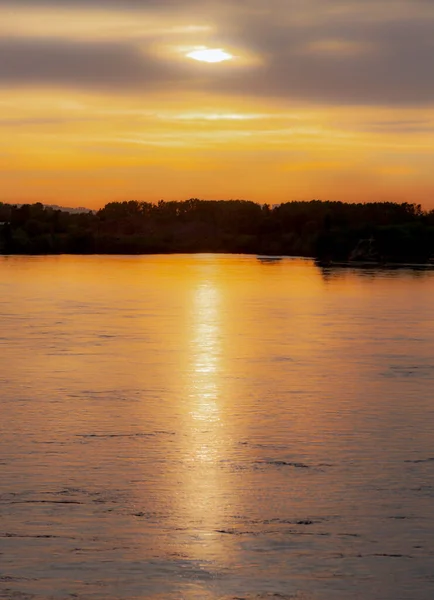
(330, 231)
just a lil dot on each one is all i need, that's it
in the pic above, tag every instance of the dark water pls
(211, 428)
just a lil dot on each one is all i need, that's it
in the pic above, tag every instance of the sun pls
(210, 55)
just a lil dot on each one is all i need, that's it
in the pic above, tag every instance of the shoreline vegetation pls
(339, 233)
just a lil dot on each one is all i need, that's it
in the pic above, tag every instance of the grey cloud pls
(137, 4)
(332, 6)
(396, 67)
(115, 5)
(78, 64)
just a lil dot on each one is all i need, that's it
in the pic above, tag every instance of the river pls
(211, 427)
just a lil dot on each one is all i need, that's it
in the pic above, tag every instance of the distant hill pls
(68, 209)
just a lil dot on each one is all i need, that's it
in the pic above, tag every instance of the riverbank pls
(328, 231)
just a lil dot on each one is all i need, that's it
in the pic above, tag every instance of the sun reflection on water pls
(204, 492)
(206, 354)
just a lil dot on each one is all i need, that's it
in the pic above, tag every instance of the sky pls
(102, 100)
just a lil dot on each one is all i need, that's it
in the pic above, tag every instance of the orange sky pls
(330, 100)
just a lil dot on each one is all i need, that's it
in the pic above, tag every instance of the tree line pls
(329, 231)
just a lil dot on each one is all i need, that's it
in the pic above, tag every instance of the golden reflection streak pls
(204, 488)
(205, 354)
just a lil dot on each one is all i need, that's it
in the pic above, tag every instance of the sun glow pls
(210, 55)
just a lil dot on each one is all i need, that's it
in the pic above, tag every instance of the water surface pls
(215, 427)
